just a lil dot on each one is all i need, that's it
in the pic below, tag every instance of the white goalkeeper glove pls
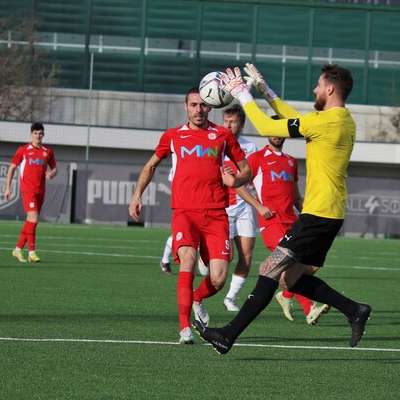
(255, 78)
(232, 82)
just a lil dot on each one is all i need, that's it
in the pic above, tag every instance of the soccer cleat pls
(165, 267)
(230, 304)
(357, 323)
(33, 257)
(186, 336)
(200, 313)
(214, 336)
(287, 306)
(17, 253)
(202, 268)
(315, 313)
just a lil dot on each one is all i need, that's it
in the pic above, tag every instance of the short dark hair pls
(190, 91)
(37, 126)
(340, 77)
(236, 109)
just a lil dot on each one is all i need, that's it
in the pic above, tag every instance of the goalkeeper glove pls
(255, 78)
(232, 82)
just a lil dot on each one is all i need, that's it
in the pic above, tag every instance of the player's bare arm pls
(144, 179)
(243, 176)
(51, 173)
(250, 199)
(9, 178)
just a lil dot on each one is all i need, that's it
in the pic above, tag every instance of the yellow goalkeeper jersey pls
(329, 138)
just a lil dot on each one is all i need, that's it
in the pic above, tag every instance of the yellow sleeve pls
(265, 125)
(283, 109)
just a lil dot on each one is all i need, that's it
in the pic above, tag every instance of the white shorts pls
(242, 220)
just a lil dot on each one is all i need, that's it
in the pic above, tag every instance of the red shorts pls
(32, 201)
(273, 234)
(207, 230)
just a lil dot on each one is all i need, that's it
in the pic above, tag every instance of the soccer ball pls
(211, 93)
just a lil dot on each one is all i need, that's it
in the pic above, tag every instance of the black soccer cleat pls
(166, 268)
(358, 322)
(218, 341)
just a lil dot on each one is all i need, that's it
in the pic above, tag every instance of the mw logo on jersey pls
(281, 176)
(36, 161)
(199, 151)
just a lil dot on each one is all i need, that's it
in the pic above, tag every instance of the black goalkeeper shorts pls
(311, 237)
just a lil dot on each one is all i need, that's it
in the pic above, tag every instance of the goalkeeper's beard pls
(319, 104)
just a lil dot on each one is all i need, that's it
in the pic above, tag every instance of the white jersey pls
(234, 199)
(242, 217)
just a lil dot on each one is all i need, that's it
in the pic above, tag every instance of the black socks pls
(256, 301)
(316, 289)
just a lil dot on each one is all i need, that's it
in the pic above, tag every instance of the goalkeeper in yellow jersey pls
(330, 135)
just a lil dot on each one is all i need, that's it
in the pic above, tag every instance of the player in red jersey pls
(275, 178)
(36, 163)
(198, 202)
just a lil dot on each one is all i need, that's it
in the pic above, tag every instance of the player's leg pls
(185, 244)
(245, 246)
(309, 238)
(32, 204)
(244, 230)
(271, 235)
(165, 260)
(324, 232)
(215, 247)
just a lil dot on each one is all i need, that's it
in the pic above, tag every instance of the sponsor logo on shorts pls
(179, 236)
(287, 237)
(31, 204)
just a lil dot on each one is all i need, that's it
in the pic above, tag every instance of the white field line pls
(88, 253)
(80, 245)
(94, 239)
(153, 342)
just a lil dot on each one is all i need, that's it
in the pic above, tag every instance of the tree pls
(25, 76)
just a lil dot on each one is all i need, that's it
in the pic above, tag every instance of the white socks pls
(236, 285)
(167, 251)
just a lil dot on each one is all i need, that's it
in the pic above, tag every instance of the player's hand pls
(49, 175)
(135, 207)
(265, 212)
(232, 82)
(255, 78)
(7, 194)
(228, 179)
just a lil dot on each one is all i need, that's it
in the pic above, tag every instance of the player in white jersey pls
(242, 217)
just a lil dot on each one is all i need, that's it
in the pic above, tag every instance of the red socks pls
(27, 234)
(30, 232)
(287, 295)
(22, 236)
(303, 301)
(184, 294)
(205, 289)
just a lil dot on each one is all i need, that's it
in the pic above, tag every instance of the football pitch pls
(96, 319)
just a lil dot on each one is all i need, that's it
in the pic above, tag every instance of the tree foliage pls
(25, 75)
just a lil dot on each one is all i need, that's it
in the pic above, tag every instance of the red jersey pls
(197, 156)
(274, 177)
(33, 162)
